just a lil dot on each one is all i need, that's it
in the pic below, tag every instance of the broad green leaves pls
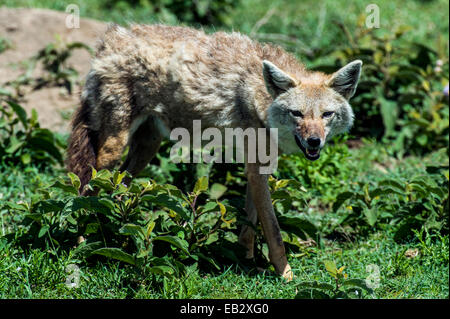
(154, 227)
(343, 286)
(22, 141)
(174, 241)
(115, 253)
(404, 204)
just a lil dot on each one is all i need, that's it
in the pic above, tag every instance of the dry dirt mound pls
(30, 30)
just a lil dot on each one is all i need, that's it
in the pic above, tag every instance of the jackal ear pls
(276, 80)
(345, 80)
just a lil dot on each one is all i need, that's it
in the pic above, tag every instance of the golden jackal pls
(148, 80)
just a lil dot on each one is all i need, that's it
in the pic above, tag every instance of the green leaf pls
(419, 189)
(175, 241)
(91, 228)
(35, 217)
(208, 259)
(162, 270)
(25, 158)
(102, 183)
(201, 185)
(4, 91)
(217, 190)
(436, 169)
(386, 191)
(65, 187)
(209, 207)
(48, 206)
(34, 117)
(331, 267)
(85, 249)
(20, 207)
(150, 227)
(118, 177)
(352, 293)
(80, 45)
(360, 283)
(43, 140)
(163, 200)
(20, 112)
(439, 191)
(298, 226)
(94, 173)
(392, 183)
(133, 230)
(371, 215)
(74, 180)
(107, 203)
(422, 139)
(115, 253)
(43, 231)
(14, 145)
(341, 198)
(92, 204)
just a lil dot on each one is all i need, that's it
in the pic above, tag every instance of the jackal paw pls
(287, 273)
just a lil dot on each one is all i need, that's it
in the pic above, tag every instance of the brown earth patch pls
(30, 30)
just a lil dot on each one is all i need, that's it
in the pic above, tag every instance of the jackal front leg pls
(260, 193)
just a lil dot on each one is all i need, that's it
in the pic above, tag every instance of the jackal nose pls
(313, 141)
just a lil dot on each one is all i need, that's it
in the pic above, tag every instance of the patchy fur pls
(149, 79)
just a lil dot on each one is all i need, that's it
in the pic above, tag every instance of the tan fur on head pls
(316, 108)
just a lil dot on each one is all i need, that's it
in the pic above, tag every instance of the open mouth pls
(311, 153)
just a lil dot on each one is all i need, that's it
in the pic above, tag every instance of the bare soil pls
(30, 30)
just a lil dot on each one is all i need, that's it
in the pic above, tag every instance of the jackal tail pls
(81, 153)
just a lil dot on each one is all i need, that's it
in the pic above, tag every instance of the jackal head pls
(310, 111)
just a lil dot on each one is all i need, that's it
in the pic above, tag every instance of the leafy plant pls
(23, 141)
(204, 12)
(5, 44)
(405, 205)
(155, 227)
(57, 72)
(343, 287)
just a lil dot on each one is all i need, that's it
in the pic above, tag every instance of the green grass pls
(40, 274)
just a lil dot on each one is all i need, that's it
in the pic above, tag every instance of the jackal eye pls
(296, 113)
(327, 114)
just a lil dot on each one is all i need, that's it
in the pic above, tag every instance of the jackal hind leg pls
(144, 144)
